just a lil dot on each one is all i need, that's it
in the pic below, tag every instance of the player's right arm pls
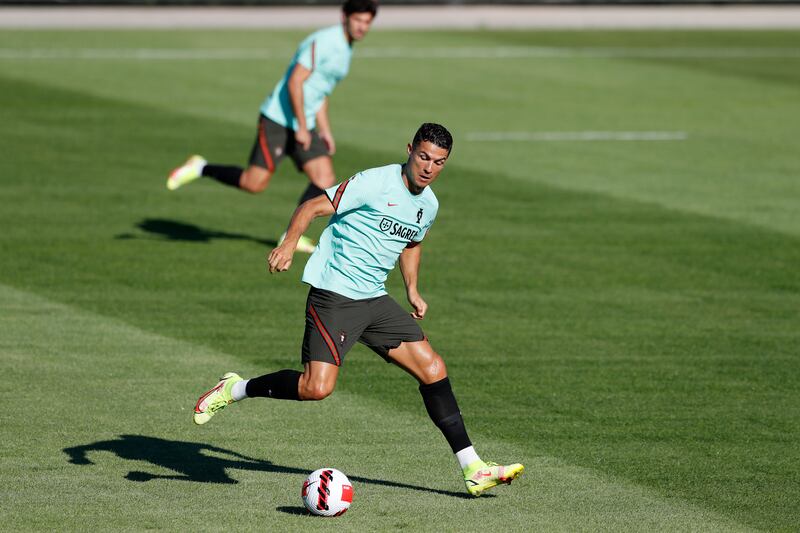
(341, 198)
(280, 259)
(409, 267)
(296, 80)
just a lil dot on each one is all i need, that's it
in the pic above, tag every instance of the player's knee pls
(316, 391)
(255, 180)
(434, 369)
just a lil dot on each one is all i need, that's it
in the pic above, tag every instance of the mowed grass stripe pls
(735, 138)
(756, 189)
(123, 401)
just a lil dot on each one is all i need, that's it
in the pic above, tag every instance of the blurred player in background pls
(294, 117)
(378, 216)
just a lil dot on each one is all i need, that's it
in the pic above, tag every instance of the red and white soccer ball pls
(327, 492)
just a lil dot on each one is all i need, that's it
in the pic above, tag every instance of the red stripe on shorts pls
(262, 140)
(325, 336)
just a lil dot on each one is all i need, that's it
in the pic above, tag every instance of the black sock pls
(312, 191)
(281, 385)
(227, 174)
(443, 410)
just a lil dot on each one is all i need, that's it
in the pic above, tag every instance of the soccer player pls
(378, 216)
(294, 117)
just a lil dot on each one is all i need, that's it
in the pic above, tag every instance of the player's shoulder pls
(371, 176)
(321, 35)
(331, 36)
(384, 172)
(430, 197)
(377, 179)
(320, 32)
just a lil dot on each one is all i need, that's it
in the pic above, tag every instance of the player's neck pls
(410, 185)
(347, 36)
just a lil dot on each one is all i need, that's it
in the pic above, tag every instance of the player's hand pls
(280, 258)
(419, 305)
(303, 138)
(330, 143)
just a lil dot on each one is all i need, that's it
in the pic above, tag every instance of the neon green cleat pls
(216, 399)
(186, 173)
(304, 244)
(480, 477)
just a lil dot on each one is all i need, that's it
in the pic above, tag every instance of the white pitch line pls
(142, 54)
(550, 136)
(497, 52)
(521, 52)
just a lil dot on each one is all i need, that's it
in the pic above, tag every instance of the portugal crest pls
(385, 224)
(419, 215)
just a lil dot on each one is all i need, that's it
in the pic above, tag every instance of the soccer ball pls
(327, 492)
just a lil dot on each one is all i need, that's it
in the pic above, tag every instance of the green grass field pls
(621, 317)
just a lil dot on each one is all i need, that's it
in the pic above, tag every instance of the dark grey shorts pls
(334, 323)
(274, 142)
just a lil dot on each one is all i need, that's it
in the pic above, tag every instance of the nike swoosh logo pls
(390, 204)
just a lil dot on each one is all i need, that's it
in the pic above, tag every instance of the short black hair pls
(433, 133)
(360, 6)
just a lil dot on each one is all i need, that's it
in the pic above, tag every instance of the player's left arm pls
(409, 266)
(324, 127)
(297, 78)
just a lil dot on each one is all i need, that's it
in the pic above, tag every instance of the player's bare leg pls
(320, 172)
(318, 380)
(254, 179)
(421, 361)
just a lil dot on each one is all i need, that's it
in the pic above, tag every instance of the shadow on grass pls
(295, 510)
(202, 463)
(172, 230)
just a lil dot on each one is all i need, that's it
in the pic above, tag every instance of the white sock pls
(239, 390)
(466, 457)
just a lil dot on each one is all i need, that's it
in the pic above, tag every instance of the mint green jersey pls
(326, 53)
(376, 218)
